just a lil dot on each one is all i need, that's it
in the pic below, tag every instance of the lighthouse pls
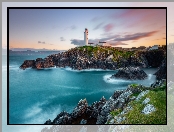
(86, 36)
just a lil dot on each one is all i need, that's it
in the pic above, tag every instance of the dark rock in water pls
(162, 72)
(130, 73)
(27, 64)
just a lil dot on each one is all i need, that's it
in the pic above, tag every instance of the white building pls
(86, 36)
(154, 47)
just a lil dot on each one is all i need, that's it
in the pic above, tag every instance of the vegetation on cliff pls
(155, 97)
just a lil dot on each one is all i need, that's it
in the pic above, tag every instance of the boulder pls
(130, 73)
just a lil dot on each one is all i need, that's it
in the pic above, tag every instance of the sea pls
(38, 95)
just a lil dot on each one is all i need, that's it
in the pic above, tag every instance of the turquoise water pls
(39, 95)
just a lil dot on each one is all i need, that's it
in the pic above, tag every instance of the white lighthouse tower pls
(86, 36)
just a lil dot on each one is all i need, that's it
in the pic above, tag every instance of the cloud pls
(73, 27)
(98, 26)
(135, 36)
(116, 43)
(62, 39)
(108, 27)
(77, 42)
(115, 39)
(40, 42)
(95, 19)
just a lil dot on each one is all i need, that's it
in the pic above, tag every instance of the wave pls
(86, 70)
(150, 79)
(34, 110)
(107, 79)
(14, 67)
(38, 115)
(69, 87)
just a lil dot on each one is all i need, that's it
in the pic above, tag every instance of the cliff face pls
(161, 73)
(100, 58)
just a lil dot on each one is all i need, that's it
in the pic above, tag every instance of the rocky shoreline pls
(99, 111)
(98, 58)
(129, 65)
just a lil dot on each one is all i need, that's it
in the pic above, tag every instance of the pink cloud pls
(108, 27)
(135, 36)
(141, 17)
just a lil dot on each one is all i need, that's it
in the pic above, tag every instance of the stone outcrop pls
(97, 112)
(28, 64)
(130, 73)
(82, 59)
(161, 73)
(148, 109)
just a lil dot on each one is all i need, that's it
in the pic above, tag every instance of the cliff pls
(87, 57)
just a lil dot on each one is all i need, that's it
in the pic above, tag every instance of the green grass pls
(134, 85)
(158, 99)
(115, 112)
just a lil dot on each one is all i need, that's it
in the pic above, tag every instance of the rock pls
(162, 72)
(118, 100)
(141, 95)
(27, 64)
(48, 122)
(148, 109)
(146, 101)
(80, 109)
(62, 118)
(81, 59)
(130, 73)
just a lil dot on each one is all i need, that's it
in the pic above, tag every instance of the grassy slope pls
(158, 99)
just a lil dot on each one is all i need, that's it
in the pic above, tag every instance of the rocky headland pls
(88, 57)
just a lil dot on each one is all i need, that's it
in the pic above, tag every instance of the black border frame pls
(8, 8)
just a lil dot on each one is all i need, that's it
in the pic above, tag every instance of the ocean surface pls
(38, 95)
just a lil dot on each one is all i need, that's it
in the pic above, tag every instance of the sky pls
(62, 29)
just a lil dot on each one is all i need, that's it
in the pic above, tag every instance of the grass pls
(158, 100)
(115, 112)
(134, 85)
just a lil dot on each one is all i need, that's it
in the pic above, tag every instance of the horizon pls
(58, 29)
